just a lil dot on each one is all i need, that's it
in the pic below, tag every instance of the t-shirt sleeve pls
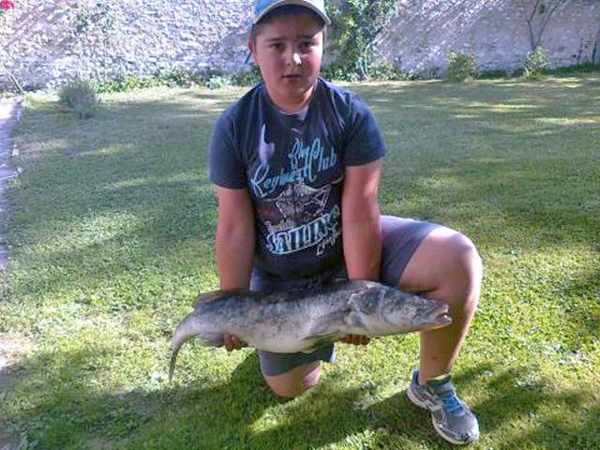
(364, 142)
(225, 164)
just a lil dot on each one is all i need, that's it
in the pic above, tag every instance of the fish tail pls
(173, 359)
(183, 333)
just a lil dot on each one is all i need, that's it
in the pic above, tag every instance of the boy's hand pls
(232, 342)
(355, 339)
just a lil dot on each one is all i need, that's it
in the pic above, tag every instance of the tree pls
(596, 52)
(537, 21)
(357, 25)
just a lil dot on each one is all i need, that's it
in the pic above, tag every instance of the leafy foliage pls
(356, 26)
(492, 74)
(387, 72)
(247, 78)
(461, 66)
(212, 79)
(535, 63)
(578, 68)
(94, 17)
(80, 97)
(5, 5)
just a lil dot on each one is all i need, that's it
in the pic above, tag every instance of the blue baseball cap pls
(263, 7)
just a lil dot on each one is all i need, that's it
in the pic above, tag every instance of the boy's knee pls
(296, 382)
(467, 270)
(288, 390)
(467, 258)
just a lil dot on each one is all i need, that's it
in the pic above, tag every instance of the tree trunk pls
(546, 10)
(533, 38)
(596, 52)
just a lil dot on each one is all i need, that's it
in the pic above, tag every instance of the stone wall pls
(49, 42)
(495, 31)
(44, 43)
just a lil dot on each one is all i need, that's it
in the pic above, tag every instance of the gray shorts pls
(400, 240)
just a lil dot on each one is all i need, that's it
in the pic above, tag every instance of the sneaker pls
(452, 419)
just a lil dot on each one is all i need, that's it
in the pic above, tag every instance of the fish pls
(301, 321)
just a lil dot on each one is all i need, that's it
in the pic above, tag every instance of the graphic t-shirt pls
(293, 168)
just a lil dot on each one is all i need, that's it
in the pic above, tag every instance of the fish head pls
(404, 312)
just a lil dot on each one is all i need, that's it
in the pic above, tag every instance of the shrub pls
(587, 67)
(248, 78)
(339, 72)
(177, 77)
(461, 66)
(126, 83)
(80, 97)
(535, 63)
(218, 82)
(492, 74)
(387, 72)
(357, 24)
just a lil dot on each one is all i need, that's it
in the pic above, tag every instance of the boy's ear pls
(252, 48)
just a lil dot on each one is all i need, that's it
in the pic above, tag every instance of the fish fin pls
(323, 325)
(322, 341)
(326, 329)
(209, 297)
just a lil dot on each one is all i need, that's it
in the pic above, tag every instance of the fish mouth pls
(442, 318)
(441, 321)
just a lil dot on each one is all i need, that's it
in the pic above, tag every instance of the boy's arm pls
(360, 220)
(235, 238)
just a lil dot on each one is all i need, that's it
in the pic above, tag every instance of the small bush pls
(126, 83)
(461, 66)
(579, 68)
(219, 82)
(387, 72)
(339, 72)
(178, 77)
(535, 63)
(248, 78)
(379, 72)
(492, 74)
(80, 97)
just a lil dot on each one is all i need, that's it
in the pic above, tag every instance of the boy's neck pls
(292, 105)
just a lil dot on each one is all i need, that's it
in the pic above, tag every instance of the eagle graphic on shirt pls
(296, 218)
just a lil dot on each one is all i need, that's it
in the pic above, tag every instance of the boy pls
(294, 162)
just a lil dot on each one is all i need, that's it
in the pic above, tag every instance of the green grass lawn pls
(111, 230)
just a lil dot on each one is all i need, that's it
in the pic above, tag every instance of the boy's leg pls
(446, 266)
(296, 381)
(439, 263)
(290, 375)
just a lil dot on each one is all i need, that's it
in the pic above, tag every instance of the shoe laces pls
(450, 402)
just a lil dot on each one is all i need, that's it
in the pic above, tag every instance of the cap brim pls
(281, 3)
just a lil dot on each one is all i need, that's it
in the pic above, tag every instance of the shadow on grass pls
(118, 194)
(509, 400)
(64, 412)
(67, 411)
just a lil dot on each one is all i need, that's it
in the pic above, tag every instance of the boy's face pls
(288, 50)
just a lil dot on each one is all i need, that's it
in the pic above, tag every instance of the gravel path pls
(10, 111)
